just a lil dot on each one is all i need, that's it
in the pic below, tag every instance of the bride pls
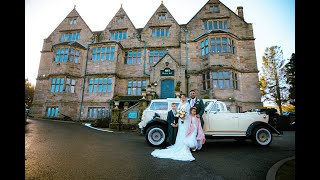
(181, 149)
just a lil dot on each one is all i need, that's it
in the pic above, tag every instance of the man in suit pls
(198, 103)
(172, 125)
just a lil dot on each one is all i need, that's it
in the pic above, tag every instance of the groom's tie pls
(192, 102)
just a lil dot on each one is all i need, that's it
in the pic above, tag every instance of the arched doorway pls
(167, 88)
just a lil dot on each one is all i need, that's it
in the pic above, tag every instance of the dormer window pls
(120, 19)
(162, 16)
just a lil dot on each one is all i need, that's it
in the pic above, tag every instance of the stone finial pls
(161, 1)
(74, 7)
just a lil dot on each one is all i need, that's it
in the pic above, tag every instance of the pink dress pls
(195, 135)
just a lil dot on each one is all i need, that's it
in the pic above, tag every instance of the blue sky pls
(273, 20)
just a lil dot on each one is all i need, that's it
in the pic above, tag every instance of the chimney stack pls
(239, 12)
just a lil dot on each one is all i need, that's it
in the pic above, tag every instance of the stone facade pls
(163, 51)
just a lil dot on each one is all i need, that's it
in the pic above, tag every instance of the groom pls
(198, 103)
(172, 125)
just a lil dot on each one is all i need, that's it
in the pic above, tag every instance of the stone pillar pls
(143, 103)
(116, 121)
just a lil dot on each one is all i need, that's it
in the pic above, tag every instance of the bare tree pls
(273, 86)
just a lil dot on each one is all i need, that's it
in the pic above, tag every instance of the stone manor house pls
(81, 70)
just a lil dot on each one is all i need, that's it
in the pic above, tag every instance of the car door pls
(223, 123)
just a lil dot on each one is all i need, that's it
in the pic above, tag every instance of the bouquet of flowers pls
(181, 114)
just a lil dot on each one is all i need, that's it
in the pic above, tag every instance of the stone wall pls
(243, 61)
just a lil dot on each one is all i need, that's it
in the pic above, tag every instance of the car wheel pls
(262, 136)
(156, 135)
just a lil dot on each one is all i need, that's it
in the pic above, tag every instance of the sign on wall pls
(133, 114)
(167, 72)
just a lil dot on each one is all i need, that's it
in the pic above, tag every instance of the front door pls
(167, 88)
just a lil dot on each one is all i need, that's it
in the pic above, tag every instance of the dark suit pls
(172, 131)
(198, 103)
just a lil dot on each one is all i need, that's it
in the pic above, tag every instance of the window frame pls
(67, 55)
(50, 109)
(216, 24)
(97, 112)
(132, 57)
(100, 84)
(70, 85)
(228, 82)
(155, 55)
(217, 45)
(70, 36)
(135, 86)
(162, 16)
(118, 35)
(101, 53)
(121, 18)
(160, 32)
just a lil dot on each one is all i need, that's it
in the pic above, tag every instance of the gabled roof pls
(213, 2)
(121, 12)
(215, 32)
(71, 43)
(166, 54)
(162, 6)
(73, 13)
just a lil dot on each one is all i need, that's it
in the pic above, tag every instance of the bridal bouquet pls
(181, 114)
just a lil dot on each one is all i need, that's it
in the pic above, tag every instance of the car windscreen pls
(159, 106)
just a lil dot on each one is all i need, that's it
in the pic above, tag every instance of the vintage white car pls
(218, 123)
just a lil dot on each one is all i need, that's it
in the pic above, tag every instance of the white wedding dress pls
(180, 150)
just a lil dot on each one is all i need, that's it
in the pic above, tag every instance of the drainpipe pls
(187, 72)
(84, 81)
(145, 58)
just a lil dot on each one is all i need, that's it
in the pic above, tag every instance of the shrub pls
(102, 122)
